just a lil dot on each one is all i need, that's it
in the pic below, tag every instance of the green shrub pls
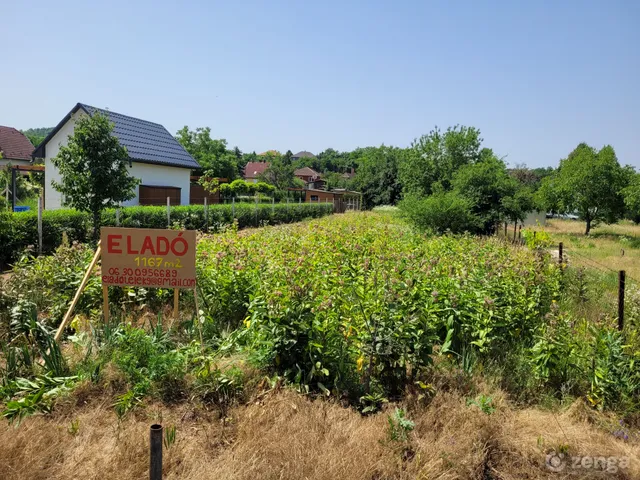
(441, 213)
(19, 231)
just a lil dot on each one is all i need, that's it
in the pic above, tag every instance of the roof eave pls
(40, 150)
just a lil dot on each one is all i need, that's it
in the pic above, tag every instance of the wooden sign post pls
(141, 257)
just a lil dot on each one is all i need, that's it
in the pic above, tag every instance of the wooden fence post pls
(560, 253)
(520, 233)
(233, 208)
(117, 217)
(40, 225)
(505, 230)
(621, 282)
(206, 214)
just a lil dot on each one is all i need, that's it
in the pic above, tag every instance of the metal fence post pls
(273, 205)
(117, 217)
(13, 189)
(621, 282)
(233, 208)
(155, 457)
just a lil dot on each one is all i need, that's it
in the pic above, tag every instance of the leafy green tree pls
(531, 177)
(287, 158)
(434, 158)
(336, 180)
(590, 183)
(486, 184)
(377, 176)
(93, 168)
(211, 154)
(631, 195)
(516, 206)
(279, 173)
(37, 135)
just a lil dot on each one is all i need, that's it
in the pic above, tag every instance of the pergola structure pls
(12, 187)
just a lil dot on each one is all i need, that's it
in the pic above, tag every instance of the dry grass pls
(287, 436)
(613, 247)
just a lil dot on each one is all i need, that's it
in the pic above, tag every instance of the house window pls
(314, 198)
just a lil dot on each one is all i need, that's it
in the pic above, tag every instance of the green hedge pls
(20, 230)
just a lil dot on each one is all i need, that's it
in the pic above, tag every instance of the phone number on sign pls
(144, 272)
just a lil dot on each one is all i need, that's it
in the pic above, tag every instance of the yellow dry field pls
(282, 435)
(609, 248)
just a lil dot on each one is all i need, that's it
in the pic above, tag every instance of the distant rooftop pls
(304, 154)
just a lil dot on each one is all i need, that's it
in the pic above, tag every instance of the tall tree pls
(377, 176)
(589, 182)
(279, 174)
(434, 158)
(631, 194)
(488, 185)
(93, 168)
(211, 154)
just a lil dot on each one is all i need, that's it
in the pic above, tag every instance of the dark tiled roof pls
(253, 169)
(305, 154)
(146, 142)
(14, 145)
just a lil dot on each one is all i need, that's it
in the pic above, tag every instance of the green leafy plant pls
(483, 402)
(399, 426)
(169, 436)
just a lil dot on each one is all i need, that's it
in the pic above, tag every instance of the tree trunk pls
(588, 219)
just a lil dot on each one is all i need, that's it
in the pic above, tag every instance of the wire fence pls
(570, 258)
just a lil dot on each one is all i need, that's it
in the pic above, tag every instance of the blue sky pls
(536, 78)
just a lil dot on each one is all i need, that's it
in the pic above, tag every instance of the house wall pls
(535, 218)
(149, 174)
(322, 196)
(161, 176)
(6, 161)
(53, 198)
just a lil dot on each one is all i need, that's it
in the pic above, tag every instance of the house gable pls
(146, 142)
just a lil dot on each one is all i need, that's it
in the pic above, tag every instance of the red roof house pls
(15, 147)
(253, 170)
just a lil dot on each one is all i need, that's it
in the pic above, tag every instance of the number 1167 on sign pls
(156, 262)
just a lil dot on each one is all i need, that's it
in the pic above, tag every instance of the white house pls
(157, 158)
